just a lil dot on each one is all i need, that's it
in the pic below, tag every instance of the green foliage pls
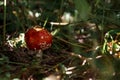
(83, 9)
(4, 70)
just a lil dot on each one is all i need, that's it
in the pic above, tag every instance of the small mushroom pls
(38, 39)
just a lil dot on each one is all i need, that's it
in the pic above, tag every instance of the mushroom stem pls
(39, 54)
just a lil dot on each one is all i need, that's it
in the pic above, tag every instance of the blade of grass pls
(74, 44)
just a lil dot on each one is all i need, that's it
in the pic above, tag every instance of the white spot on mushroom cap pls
(42, 37)
(44, 45)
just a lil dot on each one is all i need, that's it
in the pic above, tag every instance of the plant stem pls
(103, 16)
(4, 23)
(60, 12)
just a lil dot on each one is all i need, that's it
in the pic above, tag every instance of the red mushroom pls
(37, 38)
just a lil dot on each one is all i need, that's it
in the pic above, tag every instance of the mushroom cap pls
(37, 38)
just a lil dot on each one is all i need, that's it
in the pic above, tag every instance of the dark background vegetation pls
(87, 47)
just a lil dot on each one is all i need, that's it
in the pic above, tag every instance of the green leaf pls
(83, 9)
